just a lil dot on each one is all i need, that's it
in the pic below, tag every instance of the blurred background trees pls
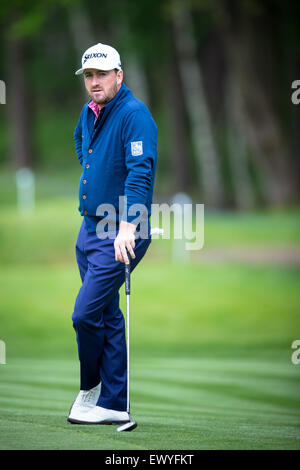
(216, 76)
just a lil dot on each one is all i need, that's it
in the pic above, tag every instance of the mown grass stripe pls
(202, 407)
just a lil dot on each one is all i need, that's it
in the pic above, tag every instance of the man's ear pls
(120, 77)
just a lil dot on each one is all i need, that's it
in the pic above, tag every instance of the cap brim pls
(97, 66)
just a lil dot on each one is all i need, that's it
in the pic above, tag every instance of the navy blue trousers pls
(97, 319)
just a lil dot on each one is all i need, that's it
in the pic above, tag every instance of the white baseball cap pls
(101, 57)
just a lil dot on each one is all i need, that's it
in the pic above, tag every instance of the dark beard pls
(107, 98)
(104, 101)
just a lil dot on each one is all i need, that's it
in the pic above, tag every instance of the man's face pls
(102, 85)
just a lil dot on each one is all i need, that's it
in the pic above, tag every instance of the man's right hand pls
(125, 242)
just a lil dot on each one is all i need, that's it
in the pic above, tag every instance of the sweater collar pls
(95, 108)
(110, 105)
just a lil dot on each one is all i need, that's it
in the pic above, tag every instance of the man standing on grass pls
(116, 143)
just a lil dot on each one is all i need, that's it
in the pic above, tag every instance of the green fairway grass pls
(173, 307)
(211, 366)
(210, 342)
(178, 402)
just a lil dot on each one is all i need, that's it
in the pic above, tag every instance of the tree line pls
(216, 75)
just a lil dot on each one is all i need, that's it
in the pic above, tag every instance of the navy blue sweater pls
(119, 157)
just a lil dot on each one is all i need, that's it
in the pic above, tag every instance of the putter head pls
(130, 426)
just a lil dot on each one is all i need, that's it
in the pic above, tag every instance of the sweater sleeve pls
(78, 139)
(140, 143)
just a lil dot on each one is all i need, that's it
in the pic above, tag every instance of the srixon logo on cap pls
(95, 55)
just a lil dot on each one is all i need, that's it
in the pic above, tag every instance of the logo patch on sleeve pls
(137, 148)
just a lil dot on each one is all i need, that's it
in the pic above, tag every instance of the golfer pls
(116, 144)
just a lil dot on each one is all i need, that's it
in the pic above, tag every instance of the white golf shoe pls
(85, 401)
(99, 415)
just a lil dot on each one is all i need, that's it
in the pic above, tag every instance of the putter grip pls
(127, 278)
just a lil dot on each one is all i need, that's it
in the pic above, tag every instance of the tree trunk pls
(201, 129)
(237, 145)
(81, 28)
(81, 32)
(178, 142)
(250, 59)
(18, 105)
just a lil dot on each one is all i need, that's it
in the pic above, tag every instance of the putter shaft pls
(131, 424)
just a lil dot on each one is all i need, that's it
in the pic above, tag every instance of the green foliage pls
(27, 18)
(142, 31)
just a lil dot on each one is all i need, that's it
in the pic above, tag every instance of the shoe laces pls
(88, 395)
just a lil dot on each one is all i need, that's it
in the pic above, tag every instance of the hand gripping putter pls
(131, 424)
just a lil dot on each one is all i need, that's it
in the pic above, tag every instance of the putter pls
(131, 424)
